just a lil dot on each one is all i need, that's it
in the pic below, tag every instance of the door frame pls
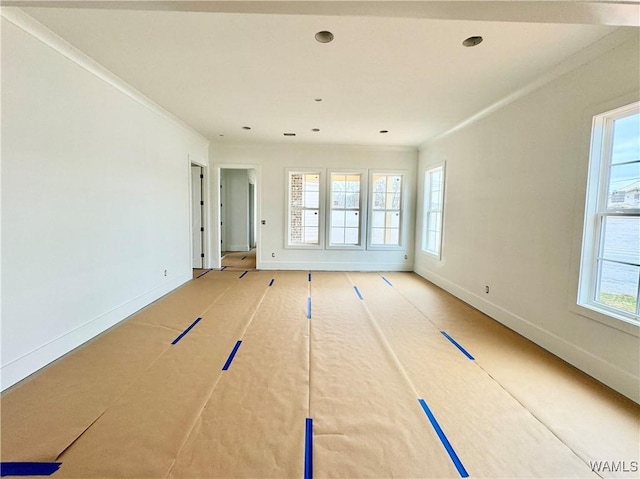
(206, 213)
(216, 260)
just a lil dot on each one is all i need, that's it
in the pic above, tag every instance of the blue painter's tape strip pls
(242, 275)
(28, 468)
(387, 281)
(231, 356)
(243, 258)
(309, 277)
(308, 449)
(455, 343)
(202, 274)
(358, 292)
(186, 331)
(309, 307)
(445, 442)
(271, 282)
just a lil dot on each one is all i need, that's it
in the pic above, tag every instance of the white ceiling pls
(408, 74)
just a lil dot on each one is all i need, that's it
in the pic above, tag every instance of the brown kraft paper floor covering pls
(131, 404)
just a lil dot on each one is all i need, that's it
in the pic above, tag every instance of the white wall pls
(95, 200)
(514, 205)
(237, 210)
(271, 163)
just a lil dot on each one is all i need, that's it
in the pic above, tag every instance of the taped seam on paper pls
(182, 334)
(455, 343)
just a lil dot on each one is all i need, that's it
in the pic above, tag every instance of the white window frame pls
(596, 210)
(321, 209)
(361, 205)
(370, 210)
(428, 210)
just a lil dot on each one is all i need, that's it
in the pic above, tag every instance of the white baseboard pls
(24, 366)
(333, 266)
(605, 372)
(237, 247)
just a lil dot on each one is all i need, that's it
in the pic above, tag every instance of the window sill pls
(357, 247)
(430, 255)
(385, 248)
(303, 246)
(607, 318)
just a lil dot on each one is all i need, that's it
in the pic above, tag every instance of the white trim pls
(595, 207)
(403, 203)
(206, 240)
(426, 196)
(362, 211)
(216, 252)
(321, 208)
(37, 30)
(336, 266)
(594, 50)
(231, 248)
(580, 201)
(19, 368)
(607, 318)
(600, 369)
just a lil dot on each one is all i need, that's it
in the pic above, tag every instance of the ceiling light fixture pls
(472, 41)
(315, 129)
(246, 127)
(384, 131)
(318, 99)
(324, 36)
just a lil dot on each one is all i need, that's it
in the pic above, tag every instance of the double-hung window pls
(346, 210)
(610, 269)
(386, 210)
(433, 206)
(305, 211)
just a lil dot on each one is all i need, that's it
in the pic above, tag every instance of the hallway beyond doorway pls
(239, 260)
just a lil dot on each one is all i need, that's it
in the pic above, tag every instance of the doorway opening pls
(238, 219)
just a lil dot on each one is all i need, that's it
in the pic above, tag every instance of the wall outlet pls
(406, 256)
(486, 289)
(165, 272)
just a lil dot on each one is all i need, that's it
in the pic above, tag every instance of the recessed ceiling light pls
(315, 129)
(472, 41)
(384, 131)
(324, 36)
(318, 99)
(289, 134)
(246, 127)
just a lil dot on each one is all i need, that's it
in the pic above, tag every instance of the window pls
(433, 205)
(610, 270)
(304, 209)
(386, 203)
(345, 210)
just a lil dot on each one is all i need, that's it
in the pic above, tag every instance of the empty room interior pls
(332, 239)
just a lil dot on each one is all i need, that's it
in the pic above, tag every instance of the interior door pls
(223, 215)
(252, 216)
(197, 207)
